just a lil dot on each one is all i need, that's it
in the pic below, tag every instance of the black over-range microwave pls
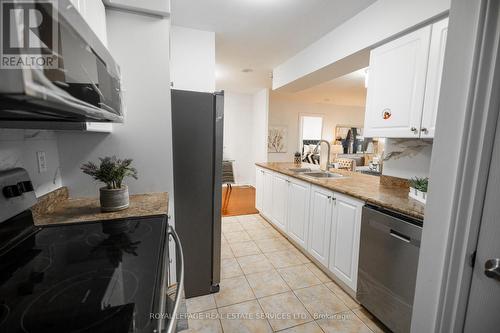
(54, 70)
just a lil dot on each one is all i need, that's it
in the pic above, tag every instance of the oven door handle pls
(180, 281)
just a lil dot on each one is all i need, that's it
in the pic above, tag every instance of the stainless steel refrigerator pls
(197, 134)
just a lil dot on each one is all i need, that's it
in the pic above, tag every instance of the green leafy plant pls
(111, 171)
(420, 184)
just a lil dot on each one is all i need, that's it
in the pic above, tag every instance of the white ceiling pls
(261, 34)
(348, 90)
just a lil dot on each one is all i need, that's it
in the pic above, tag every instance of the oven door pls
(82, 83)
(172, 300)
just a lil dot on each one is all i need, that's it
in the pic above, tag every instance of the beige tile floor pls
(268, 285)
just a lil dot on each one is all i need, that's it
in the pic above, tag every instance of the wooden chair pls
(228, 179)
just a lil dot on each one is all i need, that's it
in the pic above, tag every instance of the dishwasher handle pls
(399, 236)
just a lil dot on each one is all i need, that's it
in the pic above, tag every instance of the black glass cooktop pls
(93, 277)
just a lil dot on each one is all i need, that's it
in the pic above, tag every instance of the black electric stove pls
(89, 277)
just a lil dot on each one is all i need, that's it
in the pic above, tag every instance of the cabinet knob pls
(424, 130)
(413, 129)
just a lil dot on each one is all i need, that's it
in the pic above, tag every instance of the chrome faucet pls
(328, 165)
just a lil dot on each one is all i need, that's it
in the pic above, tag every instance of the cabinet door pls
(267, 194)
(344, 239)
(298, 211)
(259, 187)
(95, 15)
(434, 74)
(155, 7)
(320, 218)
(280, 199)
(396, 86)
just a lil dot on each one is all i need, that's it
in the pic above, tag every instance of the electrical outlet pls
(42, 161)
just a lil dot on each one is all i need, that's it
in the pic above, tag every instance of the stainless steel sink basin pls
(322, 174)
(298, 170)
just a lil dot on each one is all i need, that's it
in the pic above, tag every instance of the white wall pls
(285, 112)
(146, 134)
(245, 132)
(374, 25)
(18, 148)
(412, 158)
(192, 59)
(238, 135)
(260, 120)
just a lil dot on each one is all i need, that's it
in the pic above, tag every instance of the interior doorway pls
(238, 200)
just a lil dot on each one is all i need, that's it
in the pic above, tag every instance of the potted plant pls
(418, 188)
(297, 158)
(111, 171)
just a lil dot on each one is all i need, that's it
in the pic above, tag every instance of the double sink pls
(308, 172)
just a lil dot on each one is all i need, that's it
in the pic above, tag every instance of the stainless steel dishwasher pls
(388, 261)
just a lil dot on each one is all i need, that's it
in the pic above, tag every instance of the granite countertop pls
(361, 186)
(57, 208)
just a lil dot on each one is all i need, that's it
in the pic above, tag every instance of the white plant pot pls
(113, 200)
(417, 195)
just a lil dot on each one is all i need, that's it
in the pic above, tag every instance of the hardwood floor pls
(239, 201)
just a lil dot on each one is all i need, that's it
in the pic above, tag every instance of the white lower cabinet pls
(320, 219)
(298, 211)
(344, 239)
(267, 194)
(324, 223)
(279, 199)
(259, 185)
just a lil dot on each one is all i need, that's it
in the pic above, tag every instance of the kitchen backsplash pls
(18, 148)
(407, 158)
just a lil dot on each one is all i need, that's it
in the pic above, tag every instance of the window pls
(311, 128)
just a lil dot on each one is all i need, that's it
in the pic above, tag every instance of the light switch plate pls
(42, 161)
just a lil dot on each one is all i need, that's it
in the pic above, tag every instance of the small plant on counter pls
(112, 171)
(420, 184)
(418, 188)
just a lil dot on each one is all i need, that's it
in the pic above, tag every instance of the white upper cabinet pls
(153, 7)
(298, 211)
(396, 86)
(320, 219)
(94, 13)
(434, 74)
(403, 83)
(280, 198)
(344, 240)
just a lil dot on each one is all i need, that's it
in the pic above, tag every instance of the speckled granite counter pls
(361, 186)
(57, 208)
